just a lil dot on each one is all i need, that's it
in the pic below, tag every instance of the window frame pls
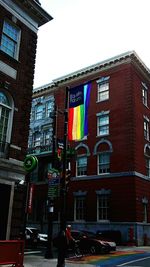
(47, 140)
(103, 89)
(10, 39)
(147, 165)
(103, 92)
(103, 210)
(9, 106)
(145, 209)
(104, 153)
(79, 208)
(80, 170)
(37, 139)
(146, 128)
(49, 107)
(39, 112)
(103, 128)
(144, 94)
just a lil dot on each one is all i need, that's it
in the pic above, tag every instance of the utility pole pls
(50, 204)
(62, 235)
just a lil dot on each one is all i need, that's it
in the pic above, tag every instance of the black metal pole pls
(62, 241)
(49, 249)
(26, 201)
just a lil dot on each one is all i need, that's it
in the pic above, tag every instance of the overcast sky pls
(85, 32)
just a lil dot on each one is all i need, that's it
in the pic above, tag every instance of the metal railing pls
(40, 149)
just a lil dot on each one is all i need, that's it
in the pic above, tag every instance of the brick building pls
(19, 24)
(110, 185)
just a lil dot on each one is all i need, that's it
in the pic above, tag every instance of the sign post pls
(30, 163)
(62, 248)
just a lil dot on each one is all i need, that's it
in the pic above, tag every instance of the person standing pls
(69, 237)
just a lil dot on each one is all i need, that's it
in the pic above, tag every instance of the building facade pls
(19, 24)
(110, 184)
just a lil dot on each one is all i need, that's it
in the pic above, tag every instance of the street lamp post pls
(62, 235)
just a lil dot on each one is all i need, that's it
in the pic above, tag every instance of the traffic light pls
(59, 153)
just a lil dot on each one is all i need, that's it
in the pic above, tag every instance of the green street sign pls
(30, 163)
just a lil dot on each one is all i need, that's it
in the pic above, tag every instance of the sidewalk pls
(40, 261)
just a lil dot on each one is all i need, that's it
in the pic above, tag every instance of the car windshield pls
(35, 231)
(89, 234)
(82, 234)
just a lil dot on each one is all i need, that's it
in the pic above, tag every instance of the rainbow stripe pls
(78, 112)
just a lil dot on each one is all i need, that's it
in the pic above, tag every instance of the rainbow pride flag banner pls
(78, 111)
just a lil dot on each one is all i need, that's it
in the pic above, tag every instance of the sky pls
(85, 32)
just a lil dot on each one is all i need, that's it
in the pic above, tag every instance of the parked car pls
(111, 244)
(87, 243)
(114, 235)
(43, 238)
(32, 236)
(99, 236)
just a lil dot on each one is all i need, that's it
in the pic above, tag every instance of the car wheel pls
(93, 249)
(104, 250)
(77, 252)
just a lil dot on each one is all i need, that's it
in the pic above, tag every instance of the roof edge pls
(113, 60)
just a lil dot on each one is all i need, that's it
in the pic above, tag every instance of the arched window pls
(82, 152)
(147, 159)
(103, 150)
(6, 115)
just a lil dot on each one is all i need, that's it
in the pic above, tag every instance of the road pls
(145, 262)
(124, 256)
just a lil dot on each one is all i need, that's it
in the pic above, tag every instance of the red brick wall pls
(127, 139)
(21, 88)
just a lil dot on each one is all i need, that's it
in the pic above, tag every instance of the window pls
(38, 112)
(103, 163)
(145, 209)
(47, 138)
(148, 167)
(6, 117)
(103, 89)
(81, 166)
(146, 129)
(49, 108)
(37, 139)
(79, 208)
(102, 125)
(102, 207)
(10, 39)
(144, 94)
(145, 213)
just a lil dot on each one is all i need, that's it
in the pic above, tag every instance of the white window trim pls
(98, 163)
(146, 120)
(100, 82)
(97, 213)
(80, 156)
(101, 114)
(11, 114)
(75, 213)
(16, 56)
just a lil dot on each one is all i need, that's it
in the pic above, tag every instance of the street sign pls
(30, 163)
(53, 183)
